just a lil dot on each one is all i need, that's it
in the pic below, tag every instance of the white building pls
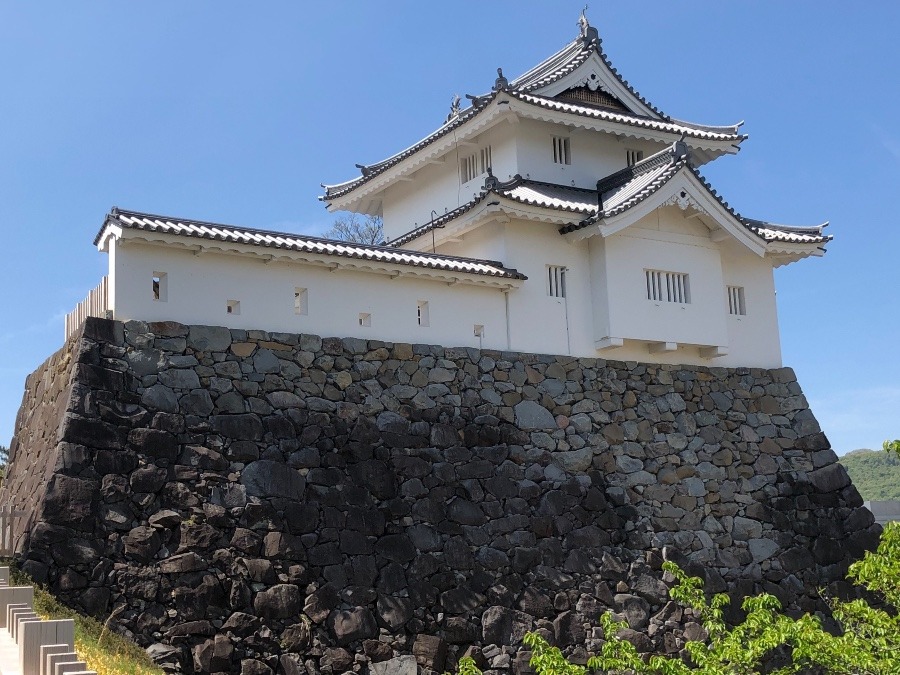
(559, 213)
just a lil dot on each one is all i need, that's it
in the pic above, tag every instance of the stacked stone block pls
(247, 502)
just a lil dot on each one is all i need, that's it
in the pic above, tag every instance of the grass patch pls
(104, 651)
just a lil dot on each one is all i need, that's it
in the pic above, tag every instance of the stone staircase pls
(30, 645)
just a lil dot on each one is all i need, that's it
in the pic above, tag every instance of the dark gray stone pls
(504, 626)
(830, 478)
(265, 478)
(209, 338)
(393, 613)
(531, 415)
(279, 602)
(246, 427)
(350, 625)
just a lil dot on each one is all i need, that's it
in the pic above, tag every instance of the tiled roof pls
(788, 233)
(522, 88)
(567, 60)
(629, 187)
(620, 192)
(552, 196)
(372, 170)
(687, 129)
(579, 201)
(294, 242)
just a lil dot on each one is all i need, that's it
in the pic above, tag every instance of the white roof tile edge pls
(284, 240)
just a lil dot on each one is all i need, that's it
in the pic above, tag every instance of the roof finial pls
(501, 82)
(588, 32)
(490, 181)
(454, 107)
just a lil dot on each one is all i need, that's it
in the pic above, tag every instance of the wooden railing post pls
(95, 304)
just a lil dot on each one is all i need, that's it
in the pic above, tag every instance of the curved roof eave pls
(242, 236)
(370, 171)
(712, 135)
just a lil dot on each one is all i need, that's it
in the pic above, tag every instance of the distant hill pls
(875, 473)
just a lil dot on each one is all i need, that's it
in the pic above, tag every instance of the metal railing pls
(95, 304)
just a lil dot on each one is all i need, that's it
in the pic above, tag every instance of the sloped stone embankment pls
(253, 503)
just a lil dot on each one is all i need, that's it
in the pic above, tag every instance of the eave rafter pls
(350, 265)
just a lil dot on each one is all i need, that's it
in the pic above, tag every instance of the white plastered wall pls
(756, 333)
(666, 240)
(199, 288)
(407, 204)
(594, 156)
(539, 322)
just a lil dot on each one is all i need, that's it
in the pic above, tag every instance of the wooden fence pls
(95, 304)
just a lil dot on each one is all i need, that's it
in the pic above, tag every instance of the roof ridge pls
(627, 117)
(799, 229)
(589, 42)
(667, 155)
(293, 235)
(371, 170)
(531, 181)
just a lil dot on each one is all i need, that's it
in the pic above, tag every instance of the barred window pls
(556, 281)
(475, 164)
(561, 150)
(736, 303)
(667, 286)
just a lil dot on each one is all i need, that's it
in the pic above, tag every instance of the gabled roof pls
(618, 193)
(372, 170)
(579, 202)
(685, 129)
(529, 88)
(571, 57)
(133, 220)
(627, 188)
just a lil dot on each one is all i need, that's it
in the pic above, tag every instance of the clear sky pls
(235, 112)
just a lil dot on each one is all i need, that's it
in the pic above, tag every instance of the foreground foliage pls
(102, 650)
(868, 645)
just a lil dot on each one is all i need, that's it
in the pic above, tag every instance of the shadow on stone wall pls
(255, 503)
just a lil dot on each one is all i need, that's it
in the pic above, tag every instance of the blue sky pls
(235, 112)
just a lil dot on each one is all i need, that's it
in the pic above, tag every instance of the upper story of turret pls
(569, 121)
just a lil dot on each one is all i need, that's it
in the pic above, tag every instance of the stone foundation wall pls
(33, 453)
(252, 503)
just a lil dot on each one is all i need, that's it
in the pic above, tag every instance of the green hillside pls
(875, 473)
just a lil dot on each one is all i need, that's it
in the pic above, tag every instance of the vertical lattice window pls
(736, 304)
(561, 150)
(486, 159)
(422, 314)
(667, 287)
(556, 281)
(632, 157)
(301, 301)
(468, 168)
(160, 285)
(475, 164)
